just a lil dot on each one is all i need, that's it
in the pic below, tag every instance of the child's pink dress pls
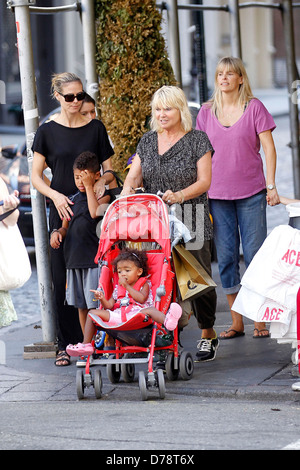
(120, 294)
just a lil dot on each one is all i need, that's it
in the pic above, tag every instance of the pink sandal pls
(172, 317)
(80, 349)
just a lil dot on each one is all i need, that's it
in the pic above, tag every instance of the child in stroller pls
(131, 294)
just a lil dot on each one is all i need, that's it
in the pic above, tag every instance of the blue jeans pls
(234, 221)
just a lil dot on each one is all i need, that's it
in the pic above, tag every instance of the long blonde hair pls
(171, 97)
(233, 64)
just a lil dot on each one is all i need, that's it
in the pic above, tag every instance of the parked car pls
(14, 171)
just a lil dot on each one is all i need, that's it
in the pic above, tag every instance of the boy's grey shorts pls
(79, 283)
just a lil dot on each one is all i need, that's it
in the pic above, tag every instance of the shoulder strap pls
(118, 180)
(140, 282)
(138, 285)
(6, 214)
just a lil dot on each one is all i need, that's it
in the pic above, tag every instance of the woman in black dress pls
(175, 159)
(56, 145)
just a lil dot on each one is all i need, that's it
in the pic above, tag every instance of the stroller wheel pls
(113, 373)
(127, 370)
(171, 372)
(161, 383)
(100, 337)
(80, 384)
(143, 385)
(98, 383)
(186, 365)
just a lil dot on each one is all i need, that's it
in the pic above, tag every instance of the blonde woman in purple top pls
(237, 125)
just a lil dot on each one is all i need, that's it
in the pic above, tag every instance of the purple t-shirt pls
(237, 167)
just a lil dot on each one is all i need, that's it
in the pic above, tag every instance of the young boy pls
(81, 240)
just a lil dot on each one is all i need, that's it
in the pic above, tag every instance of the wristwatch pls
(271, 186)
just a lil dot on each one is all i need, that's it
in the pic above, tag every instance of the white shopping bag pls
(262, 309)
(272, 280)
(274, 271)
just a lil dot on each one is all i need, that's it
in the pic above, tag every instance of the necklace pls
(229, 115)
(234, 112)
(172, 141)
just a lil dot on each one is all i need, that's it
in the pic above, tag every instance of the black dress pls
(60, 145)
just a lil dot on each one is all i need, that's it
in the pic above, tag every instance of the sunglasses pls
(69, 97)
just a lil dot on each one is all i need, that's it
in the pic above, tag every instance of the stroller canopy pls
(137, 218)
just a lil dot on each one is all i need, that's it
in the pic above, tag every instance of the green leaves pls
(132, 64)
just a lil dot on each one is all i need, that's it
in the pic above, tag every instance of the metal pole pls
(30, 111)
(50, 10)
(174, 39)
(200, 55)
(89, 47)
(292, 77)
(235, 31)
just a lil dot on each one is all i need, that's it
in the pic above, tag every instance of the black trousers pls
(67, 319)
(204, 307)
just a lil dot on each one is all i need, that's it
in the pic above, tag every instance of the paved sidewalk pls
(247, 368)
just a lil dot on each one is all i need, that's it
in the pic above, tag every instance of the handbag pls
(115, 192)
(192, 279)
(15, 268)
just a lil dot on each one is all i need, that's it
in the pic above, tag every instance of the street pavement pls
(244, 368)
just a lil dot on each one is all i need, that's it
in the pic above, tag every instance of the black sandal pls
(62, 356)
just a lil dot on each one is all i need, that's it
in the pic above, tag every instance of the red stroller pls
(142, 219)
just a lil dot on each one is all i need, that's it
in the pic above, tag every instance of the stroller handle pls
(172, 206)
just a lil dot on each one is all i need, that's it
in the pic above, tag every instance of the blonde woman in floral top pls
(176, 160)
